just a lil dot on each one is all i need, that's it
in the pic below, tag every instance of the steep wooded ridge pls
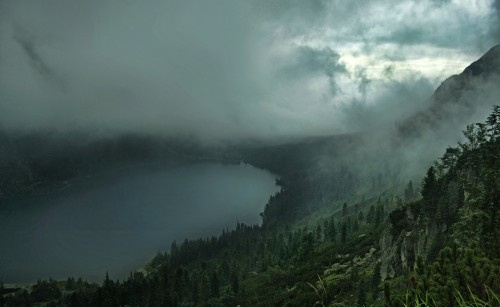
(458, 209)
(349, 227)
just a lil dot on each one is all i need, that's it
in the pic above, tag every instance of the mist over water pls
(118, 225)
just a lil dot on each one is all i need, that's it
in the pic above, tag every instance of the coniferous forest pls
(249, 153)
(346, 256)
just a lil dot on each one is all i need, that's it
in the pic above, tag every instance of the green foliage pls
(474, 301)
(398, 220)
(464, 190)
(326, 262)
(361, 300)
(320, 291)
(45, 291)
(466, 270)
(2, 290)
(430, 190)
(343, 233)
(409, 191)
(413, 299)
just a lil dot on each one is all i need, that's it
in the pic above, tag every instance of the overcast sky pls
(232, 68)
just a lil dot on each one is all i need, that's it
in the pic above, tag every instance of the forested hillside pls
(447, 241)
(441, 248)
(249, 153)
(357, 220)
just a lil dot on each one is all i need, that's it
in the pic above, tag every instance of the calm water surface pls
(117, 225)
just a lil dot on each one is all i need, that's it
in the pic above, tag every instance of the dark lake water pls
(119, 223)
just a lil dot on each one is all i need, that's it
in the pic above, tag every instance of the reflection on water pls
(118, 225)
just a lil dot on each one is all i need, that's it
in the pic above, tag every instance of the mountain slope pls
(459, 209)
(460, 99)
(341, 223)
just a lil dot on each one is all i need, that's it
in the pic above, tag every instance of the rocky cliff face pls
(421, 229)
(400, 247)
(411, 232)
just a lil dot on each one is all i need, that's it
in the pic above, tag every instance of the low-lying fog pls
(119, 224)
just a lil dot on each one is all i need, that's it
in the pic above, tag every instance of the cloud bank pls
(227, 69)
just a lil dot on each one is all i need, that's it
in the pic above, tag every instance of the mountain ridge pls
(458, 97)
(341, 224)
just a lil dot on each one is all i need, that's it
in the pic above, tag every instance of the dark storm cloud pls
(311, 61)
(34, 58)
(28, 45)
(295, 13)
(495, 29)
(407, 36)
(401, 98)
(226, 68)
(307, 62)
(364, 82)
(435, 22)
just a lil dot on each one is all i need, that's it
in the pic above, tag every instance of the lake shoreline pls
(49, 222)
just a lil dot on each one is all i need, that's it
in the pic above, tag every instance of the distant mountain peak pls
(451, 89)
(457, 98)
(487, 64)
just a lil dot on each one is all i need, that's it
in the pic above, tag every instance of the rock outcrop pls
(401, 248)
